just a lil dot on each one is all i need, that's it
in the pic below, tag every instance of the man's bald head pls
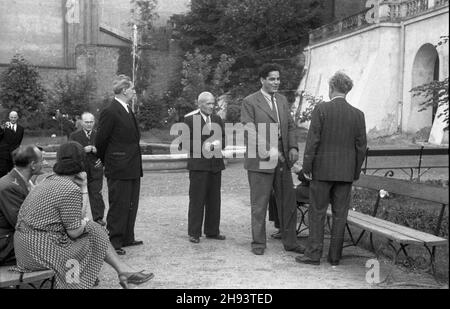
(206, 102)
(13, 117)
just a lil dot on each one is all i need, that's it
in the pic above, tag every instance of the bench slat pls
(401, 238)
(11, 278)
(419, 191)
(420, 236)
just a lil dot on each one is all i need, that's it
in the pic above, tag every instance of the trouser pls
(123, 206)
(261, 185)
(204, 199)
(95, 185)
(322, 193)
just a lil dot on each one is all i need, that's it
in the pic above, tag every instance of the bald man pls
(11, 135)
(205, 165)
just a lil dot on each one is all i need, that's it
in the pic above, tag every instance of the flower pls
(384, 193)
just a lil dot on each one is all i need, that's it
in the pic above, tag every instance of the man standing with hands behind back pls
(268, 110)
(118, 147)
(334, 153)
(94, 169)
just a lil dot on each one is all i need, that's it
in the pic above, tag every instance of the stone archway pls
(425, 70)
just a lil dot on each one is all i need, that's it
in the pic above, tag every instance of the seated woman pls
(52, 231)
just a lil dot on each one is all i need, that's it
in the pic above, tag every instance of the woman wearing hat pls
(53, 233)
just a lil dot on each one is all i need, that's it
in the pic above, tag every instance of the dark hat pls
(69, 159)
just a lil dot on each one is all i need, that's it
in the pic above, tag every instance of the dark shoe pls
(258, 251)
(306, 260)
(134, 278)
(276, 235)
(134, 243)
(333, 263)
(218, 237)
(97, 282)
(120, 251)
(101, 222)
(299, 249)
(193, 239)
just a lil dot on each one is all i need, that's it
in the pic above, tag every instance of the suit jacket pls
(9, 141)
(117, 143)
(336, 142)
(255, 110)
(196, 160)
(80, 137)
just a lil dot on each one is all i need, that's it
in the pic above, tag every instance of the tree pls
(20, 88)
(435, 92)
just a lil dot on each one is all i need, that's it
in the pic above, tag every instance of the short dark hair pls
(24, 155)
(267, 68)
(69, 159)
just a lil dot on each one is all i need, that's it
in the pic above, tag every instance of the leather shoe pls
(101, 222)
(134, 243)
(306, 260)
(218, 237)
(120, 251)
(194, 240)
(134, 278)
(258, 251)
(299, 249)
(333, 263)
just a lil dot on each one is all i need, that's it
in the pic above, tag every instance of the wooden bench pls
(424, 161)
(15, 279)
(399, 237)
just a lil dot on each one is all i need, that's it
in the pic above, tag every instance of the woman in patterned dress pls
(53, 233)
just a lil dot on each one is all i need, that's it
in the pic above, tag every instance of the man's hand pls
(293, 155)
(308, 176)
(272, 153)
(88, 149)
(207, 146)
(216, 143)
(94, 149)
(81, 180)
(296, 168)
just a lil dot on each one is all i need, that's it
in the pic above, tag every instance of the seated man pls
(14, 187)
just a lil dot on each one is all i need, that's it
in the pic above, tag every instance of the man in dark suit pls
(205, 165)
(333, 157)
(14, 188)
(86, 136)
(11, 135)
(118, 148)
(270, 129)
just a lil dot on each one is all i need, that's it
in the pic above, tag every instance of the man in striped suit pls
(333, 157)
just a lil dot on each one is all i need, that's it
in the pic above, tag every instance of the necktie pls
(88, 134)
(272, 99)
(208, 121)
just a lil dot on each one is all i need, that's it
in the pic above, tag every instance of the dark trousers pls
(6, 165)
(95, 185)
(204, 198)
(273, 213)
(322, 193)
(123, 207)
(261, 185)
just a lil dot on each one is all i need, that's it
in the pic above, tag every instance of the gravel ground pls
(229, 264)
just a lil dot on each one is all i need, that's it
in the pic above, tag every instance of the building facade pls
(387, 50)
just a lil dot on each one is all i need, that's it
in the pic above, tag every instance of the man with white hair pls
(118, 148)
(11, 135)
(205, 165)
(334, 153)
(86, 136)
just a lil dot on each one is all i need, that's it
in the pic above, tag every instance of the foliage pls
(72, 95)
(153, 112)
(198, 75)
(251, 32)
(21, 90)
(435, 93)
(311, 101)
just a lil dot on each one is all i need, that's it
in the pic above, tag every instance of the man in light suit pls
(205, 165)
(271, 129)
(334, 153)
(118, 148)
(86, 137)
(14, 188)
(11, 135)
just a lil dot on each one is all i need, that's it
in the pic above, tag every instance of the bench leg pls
(432, 254)
(353, 242)
(303, 214)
